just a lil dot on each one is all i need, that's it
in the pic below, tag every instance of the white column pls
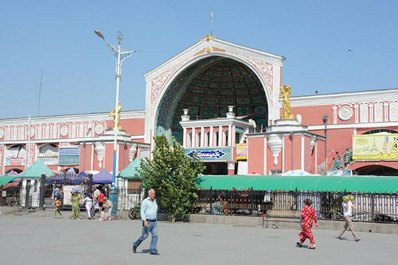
(229, 135)
(193, 137)
(265, 156)
(184, 138)
(211, 136)
(302, 151)
(92, 157)
(283, 153)
(386, 111)
(233, 140)
(371, 112)
(316, 158)
(220, 136)
(356, 114)
(334, 114)
(202, 136)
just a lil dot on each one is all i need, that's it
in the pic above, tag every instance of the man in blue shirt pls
(149, 210)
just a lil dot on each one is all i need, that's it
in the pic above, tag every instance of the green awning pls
(36, 170)
(5, 179)
(371, 184)
(131, 170)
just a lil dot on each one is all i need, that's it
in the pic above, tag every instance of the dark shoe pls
(312, 247)
(134, 249)
(357, 239)
(299, 244)
(340, 237)
(154, 253)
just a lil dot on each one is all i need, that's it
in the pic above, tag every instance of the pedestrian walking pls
(57, 204)
(88, 202)
(348, 207)
(100, 200)
(308, 217)
(75, 199)
(149, 209)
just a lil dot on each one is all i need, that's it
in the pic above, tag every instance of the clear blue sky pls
(78, 69)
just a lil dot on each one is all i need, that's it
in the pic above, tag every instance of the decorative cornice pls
(215, 44)
(345, 98)
(88, 117)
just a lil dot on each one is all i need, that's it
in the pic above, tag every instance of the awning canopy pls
(5, 179)
(130, 172)
(103, 177)
(371, 184)
(36, 170)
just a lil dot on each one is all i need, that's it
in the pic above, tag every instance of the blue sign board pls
(69, 156)
(210, 154)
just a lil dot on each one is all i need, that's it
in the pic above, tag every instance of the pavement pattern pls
(39, 238)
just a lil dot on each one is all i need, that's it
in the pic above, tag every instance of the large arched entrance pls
(206, 89)
(377, 170)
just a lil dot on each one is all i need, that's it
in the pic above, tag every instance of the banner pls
(375, 147)
(210, 154)
(241, 152)
(69, 156)
(11, 161)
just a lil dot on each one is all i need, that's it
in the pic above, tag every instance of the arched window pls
(380, 131)
(48, 153)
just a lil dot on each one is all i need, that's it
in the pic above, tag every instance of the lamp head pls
(325, 118)
(99, 34)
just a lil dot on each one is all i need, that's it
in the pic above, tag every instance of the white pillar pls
(193, 137)
(220, 136)
(184, 137)
(229, 135)
(202, 137)
(211, 136)
(334, 114)
(302, 151)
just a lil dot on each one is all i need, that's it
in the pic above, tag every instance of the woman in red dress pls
(308, 217)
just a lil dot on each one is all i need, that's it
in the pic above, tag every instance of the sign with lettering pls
(241, 152)
(210, 154)
(69, 156)
(375, 147)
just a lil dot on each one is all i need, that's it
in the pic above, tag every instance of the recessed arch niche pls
(206, 89)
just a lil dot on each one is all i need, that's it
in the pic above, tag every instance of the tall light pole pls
(325, 123)
(120, 57)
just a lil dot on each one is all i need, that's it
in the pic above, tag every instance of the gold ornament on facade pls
(112, 114)
(285, 92)
(208, 37)
(209, 49)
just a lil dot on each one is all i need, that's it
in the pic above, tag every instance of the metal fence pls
(11, 196)
(129, 198)
(368, 207)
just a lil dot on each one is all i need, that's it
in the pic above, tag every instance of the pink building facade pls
(82, 142)
(222, 102)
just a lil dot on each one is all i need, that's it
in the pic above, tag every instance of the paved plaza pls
(38, 238)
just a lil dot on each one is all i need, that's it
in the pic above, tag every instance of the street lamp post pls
(120, 57)
(325, 122)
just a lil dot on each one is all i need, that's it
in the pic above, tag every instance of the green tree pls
(174, 177)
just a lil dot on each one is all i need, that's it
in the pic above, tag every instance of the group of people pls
(308, 218)
(149, 209)
(97, 201)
